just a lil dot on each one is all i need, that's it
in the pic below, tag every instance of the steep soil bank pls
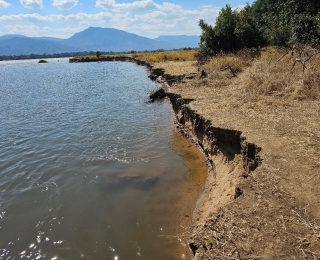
(277, 215)
(228, 154)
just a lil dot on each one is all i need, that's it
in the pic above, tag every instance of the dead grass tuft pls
(185, 55)
(283, 74)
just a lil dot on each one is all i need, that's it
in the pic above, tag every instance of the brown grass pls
(275, 73)
(152, 57)
(185, 55)
(278, 75)
(276, 106)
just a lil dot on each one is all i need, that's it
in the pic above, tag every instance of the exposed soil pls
(261, 198)
(256, 204)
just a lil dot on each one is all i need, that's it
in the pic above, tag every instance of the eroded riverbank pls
(271, 212)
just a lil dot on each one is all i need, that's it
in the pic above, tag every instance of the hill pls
(92, 39)
(109, 39)
(26, 45)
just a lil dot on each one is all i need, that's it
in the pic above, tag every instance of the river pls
(88, 170)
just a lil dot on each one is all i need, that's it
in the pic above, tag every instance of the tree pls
(98, 54)
(265, 22)
(247, 30)
(208, 42)
(225, 30)
(288, 21)
(233, 31)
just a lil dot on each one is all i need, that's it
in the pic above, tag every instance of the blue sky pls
(150, 18)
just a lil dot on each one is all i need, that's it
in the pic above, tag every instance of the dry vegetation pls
(274, 100)
(186, 55)
(152, 57)
(274, 73)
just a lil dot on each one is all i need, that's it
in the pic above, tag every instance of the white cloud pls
(154, 20)
(55, 18)
(35, 31)
(141, 5)
(31, 4)
(4, 4)
(32, 29)
(65, 4)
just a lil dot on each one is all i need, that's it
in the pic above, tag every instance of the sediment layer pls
(274, 212)
(229, 156)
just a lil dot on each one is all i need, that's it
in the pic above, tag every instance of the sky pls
(149, 18)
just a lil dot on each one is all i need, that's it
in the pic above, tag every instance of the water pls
(88, 170)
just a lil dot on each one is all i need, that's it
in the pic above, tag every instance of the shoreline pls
(256, 203)
(216, 144)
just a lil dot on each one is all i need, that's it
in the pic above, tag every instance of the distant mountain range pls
(92, 39)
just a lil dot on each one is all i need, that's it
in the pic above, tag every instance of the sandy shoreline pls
(256, 204)
(264, 205)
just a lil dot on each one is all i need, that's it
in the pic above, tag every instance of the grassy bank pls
(157, 56)
(274, 100)
(274, 75)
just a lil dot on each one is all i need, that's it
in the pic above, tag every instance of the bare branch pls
(230, 68)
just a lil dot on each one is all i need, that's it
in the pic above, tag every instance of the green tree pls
(98, 54)
(225, 30)
(208, 41)
(288, 21)
(233, 30)
(247, 30)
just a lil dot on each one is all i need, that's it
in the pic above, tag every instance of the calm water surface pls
(87, 169)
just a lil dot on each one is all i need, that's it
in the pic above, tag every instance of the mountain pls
(92, 39)
(49, 39)
(10, 36)
(26, 45)
(180, 41)
(108, 39)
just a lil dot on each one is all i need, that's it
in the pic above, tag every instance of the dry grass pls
(185, 55)
(278, 74)
(221, 70)
(152, 57)
(287, 74)
(276, 105)
(178, 67)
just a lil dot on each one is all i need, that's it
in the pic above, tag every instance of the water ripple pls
(82, 160)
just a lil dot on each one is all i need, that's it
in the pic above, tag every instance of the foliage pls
(265, 22)
(233, 31)
(98, 54)
(288, 21)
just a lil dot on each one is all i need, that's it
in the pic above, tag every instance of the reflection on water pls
(87, 169)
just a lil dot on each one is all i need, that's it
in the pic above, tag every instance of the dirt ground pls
(277, 215)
